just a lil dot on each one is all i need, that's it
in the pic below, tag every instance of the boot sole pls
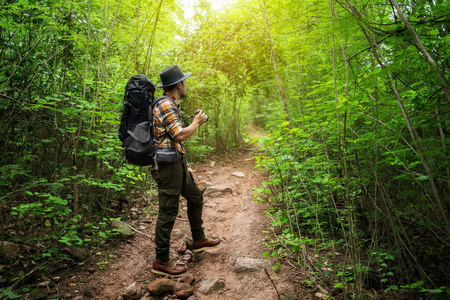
(205, 248)
(167, 274)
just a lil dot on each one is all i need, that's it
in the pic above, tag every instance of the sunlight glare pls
(188, 6)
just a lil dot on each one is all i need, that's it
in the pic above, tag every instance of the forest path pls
(230, 214)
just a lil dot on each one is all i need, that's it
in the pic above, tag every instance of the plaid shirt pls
(167, 119)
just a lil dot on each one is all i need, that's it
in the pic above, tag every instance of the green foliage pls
(358, 156)
(346, 162)
(7, 292)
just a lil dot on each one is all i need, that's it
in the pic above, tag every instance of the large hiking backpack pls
(136, 126)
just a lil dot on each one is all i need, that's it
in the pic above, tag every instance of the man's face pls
(183, 89)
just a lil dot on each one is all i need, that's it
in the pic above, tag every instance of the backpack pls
(136, 126)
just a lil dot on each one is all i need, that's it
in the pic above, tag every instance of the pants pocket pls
(163, 175)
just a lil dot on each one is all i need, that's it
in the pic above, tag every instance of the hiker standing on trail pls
(175, 179)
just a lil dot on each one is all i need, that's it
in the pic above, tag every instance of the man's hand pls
(199, 117)
(192, 174)
(187, 132)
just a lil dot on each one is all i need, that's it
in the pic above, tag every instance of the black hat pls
(172, 75)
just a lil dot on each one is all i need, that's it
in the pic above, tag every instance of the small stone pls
(152, 256)
(216, 192)
(147, 296)
(78, 298)
(244, 264)
(320, 295)
(177, 234)
(182, 290)
(90, 292)
(238, 174)
(212, 163)
(133, 292)
(189, 244)
(181, 246)
(76, 253)
(9, 250)
(187, 258)
(197, 257)
(43, 284)
(124, 228)
(186, 278)
(211, 285)
(160, 286)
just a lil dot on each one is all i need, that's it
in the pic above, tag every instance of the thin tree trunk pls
(86, 63)
(137, 36)
(442, 136)
(423, 155)
(148, 56)
(422, 49)
(87, 50)
(350, 201)
(108, 43)
(272, 56)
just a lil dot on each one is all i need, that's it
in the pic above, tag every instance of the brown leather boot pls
(168, 269)
(203, 244)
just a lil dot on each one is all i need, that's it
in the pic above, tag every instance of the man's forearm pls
(187, 132)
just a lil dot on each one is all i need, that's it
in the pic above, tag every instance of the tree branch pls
(422, 49)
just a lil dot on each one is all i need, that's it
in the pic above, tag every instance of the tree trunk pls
(272, 56)
(421, 151)
(422, 49)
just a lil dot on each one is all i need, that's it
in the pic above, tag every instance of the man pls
(177, 178)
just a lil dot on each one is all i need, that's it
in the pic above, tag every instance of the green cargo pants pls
(173, 180)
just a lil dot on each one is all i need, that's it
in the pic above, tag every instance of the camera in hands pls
(206, 116)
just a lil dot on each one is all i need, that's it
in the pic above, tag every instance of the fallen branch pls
(31, 272)
(278, 294)
(134, 229)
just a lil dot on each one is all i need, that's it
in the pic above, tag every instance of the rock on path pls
(244, 264)
(208, 286)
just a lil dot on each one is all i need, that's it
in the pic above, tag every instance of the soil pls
(232, 216)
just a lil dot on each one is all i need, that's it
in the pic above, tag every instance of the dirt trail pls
(232, 216)
(239, 222)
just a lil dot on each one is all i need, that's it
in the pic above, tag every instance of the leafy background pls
(354, 97)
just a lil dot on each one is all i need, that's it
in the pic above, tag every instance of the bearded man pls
(175, 178)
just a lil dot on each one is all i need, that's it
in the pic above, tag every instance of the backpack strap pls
(150, 115)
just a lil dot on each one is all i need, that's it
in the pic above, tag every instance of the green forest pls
(354, 97)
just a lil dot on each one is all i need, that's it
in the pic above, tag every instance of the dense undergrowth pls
(357, 216)
(355, 97)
